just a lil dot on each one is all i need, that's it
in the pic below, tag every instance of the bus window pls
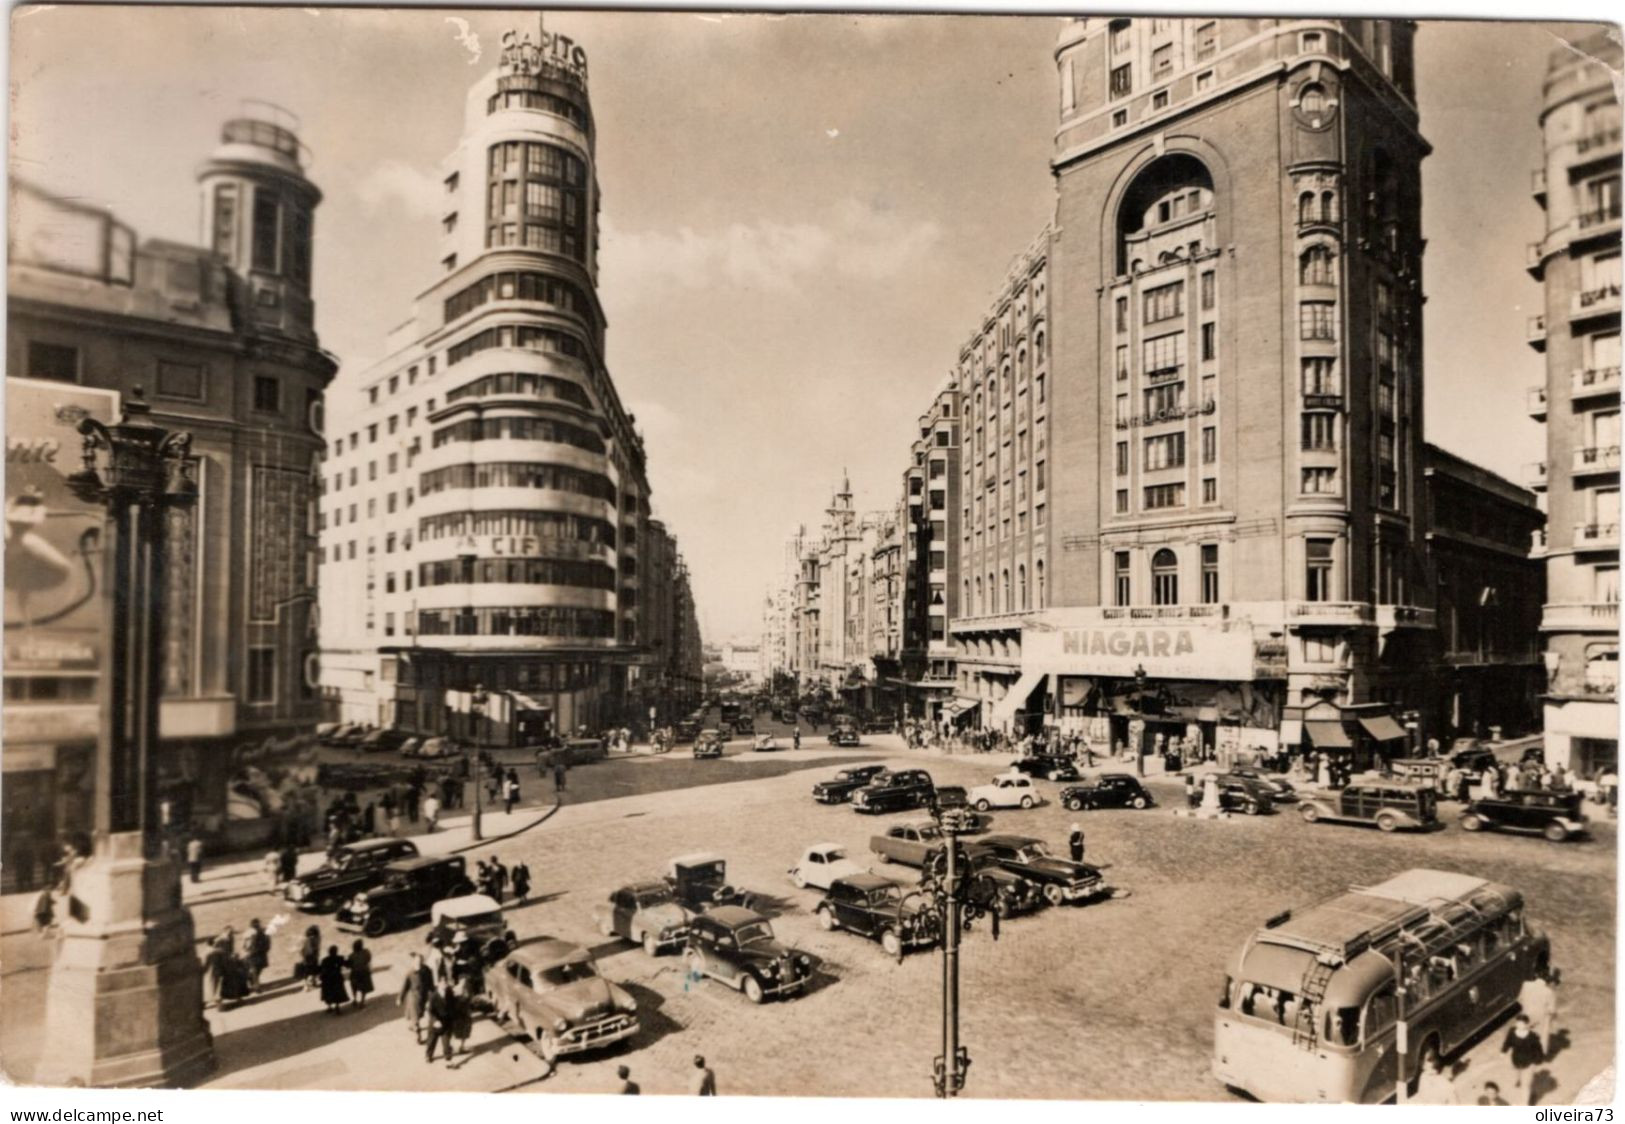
(1380, 1012)
(1343, 1026)
(1224, 996)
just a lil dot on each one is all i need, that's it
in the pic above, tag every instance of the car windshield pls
(649, 898)
(752, 933)
(710, 872)
(885, 895)
(560, 974)
(1033, 851)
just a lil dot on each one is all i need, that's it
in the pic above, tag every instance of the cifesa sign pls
(1167, 650)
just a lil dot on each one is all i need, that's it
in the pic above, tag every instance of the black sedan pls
(1108, 790)
(1046, 768)
(839, 788)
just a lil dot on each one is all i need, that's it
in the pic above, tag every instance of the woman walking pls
(310, 957)
(521, 882)
(331, 972)
(360, 964)
(413, 998)
(214, 969)
(256, 952)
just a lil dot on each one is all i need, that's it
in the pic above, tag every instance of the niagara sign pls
(1167, 650)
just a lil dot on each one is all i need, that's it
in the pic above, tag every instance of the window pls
(261, 675)
(1164, 302)
(1208, 283)
(53, 361)
(1122, 37)
(1319, 649)
(1120, 504)
(1167, 451)
(1320, 432)
(1210, 342)
(1162, 60)
(1038, 477)
(266, 218)
(1159, 496)
(1164, 578)
(1204, 81)
(1122, 362)
(1312, 100)
(1320, 481)
(1318, 573)
(1210, 490)
(1316, 320)
(1207, 39)
(1320, 376)
(1163, 402)
(1311, 41)
(268, 395)
(1122, 80)
(1119, 118)
(1068, 88)
(225, 220)
(1122, 409)
(1315, 267)
(1159, 100)
(1121, 585)
(1210, 444)
(1122, 458)
(1161, 355)
(1122, 314)
(1038, 516)
(1038, 577)
(1210, 573)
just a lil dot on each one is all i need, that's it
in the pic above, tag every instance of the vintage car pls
(1046, 768)
(875, 724)
(1006, 790)
(381, 741)
(744, 726)
(700, 881)
(1280, 790)
(1390, 805)
(438, 747)
(353, 868)
(550, 990)
(645, 912)
(1556, 815)
(846, 736)
(475, 915)
(1239, 794)
(411, 746)
(1060, 880)
(907, 843)
(343, 733)
(708, 744)
(732, 945)
(993, 887)
(766, 743)
(821, 864)
(407, 893)
(687, 730)
(875, 907)
(839, 788)
(1108, 790)
(894, 792)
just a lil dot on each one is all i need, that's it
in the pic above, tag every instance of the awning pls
(523, 702)
(1005, 709)
(1328, 735)
(1291, 731)
(953, 708)
(1383, 728)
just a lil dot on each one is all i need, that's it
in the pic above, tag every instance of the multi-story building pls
(885, 610)
(1578, 260)
(219, 341)
(487, 505)
(934, 492)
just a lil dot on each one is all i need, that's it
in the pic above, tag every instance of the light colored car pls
(765, 743)
(1007, 790)
(437, 747)
(551, 991)
(645, 912)
(821, 864)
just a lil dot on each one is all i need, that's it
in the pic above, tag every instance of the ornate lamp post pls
(1139, 710)
(478, 703)
(125, 1001)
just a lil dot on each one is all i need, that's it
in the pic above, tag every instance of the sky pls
(803, 216)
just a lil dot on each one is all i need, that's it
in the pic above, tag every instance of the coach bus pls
(1313, 1009)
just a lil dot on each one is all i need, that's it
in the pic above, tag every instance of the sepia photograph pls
(922, 555)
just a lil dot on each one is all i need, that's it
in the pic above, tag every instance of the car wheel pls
(1026, 801)
(1471, 822)
(1387, 821)
(1074, 803)
(548, 1046)
(1309, 812)
(1137, 802)
(752, 987)
(983, 805)
(891, 943)
(799, 882)
(375, 926)
(826, 919)
(651, 944)
(1053, 894)
(1556, 832)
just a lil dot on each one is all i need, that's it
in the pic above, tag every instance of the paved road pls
(1109, 1001)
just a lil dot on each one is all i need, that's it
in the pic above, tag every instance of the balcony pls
(1602, 216)
(1534, 255)
(1581, 616)
(1535, 333)
(1600, 301)
(1598, 144)
(1351, 613)
(1596, 459)
(1596, 536)
(1591, 382)
(990, 622)
(1537, 543)
(1537, 403)
(1405, 616)
(1534, 476)
(1332, 401)
(1164, 612)
(1537, 185)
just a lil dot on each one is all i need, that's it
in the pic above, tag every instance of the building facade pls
(1578, 262)
(486, 513)
(219, 341)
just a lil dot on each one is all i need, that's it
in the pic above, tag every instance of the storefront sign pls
(1269, 659)
(523, 53)
(1166, 651)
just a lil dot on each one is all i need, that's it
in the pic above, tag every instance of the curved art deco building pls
(486, 501)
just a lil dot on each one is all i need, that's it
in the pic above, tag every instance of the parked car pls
(1390, 805)
(687, 730)
(353, 868)
(381, 741)
(907, 843)
(1250, 798)
(839, 788)
(647, 913)
(550, 990)
(765, 743)
(1006, 790)
(700, 881)
(1046, 768)
(582, 751)
(846, 736)
(708, 744)
(875, 724)
(955, 796)
(1280, 790)
(406, 894)
(477, 916)
(1108, 790)
(1556, 815)
(1060, 880)
(350, 736)
(337, 733)
(821, 864)
(439, 747)
(411, 747)
(874, 907)
(744, 726)
(736, 947)
(993, 887)
(894, 792)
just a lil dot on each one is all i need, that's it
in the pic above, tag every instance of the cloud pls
(467, 37)
(397, 185)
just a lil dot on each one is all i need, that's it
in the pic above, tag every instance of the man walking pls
(702, 1082)
(194, 857)
(256, 953)
(416, 990)
(795, 738)
(1538, 1000)
(443, 1015)
(431, 811)
(558, 777)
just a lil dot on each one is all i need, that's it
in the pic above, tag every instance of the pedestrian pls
(331, 973)
(1075, 842)
(442, 1015)
(214, 970)
(272, 865)
(1492, 1095)
(1192, 797)
(511, 791)
(1522, 1045)
(1538, 999)
(1434, 1086)
(233, 974)
(310, 957)
(414, 793)
(628, 1086)
(1608, 782)
(194, 857)
(795, 737)
(290, 863)
(558, 776)
(360, 965)
(521, 882)
(369, 819)
(431, 812)
(499, 879)
(413, 998)
(256, 953)
(702, 1082)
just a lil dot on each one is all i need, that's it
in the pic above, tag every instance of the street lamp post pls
(477, 705)
(1139, 710)
(955, 908)
(124, 1005)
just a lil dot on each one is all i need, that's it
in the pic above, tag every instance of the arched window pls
(1004, 591)
(1164, 578)
(981, 606)
(965, 602)
(1315, 266)
(1328, 206)
(992, 595)
(1163, 208)
(1021, 586)
(1306, 207)
(1038, 574)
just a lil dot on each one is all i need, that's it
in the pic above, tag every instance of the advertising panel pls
(1166, 649)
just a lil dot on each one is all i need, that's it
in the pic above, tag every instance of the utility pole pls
(954, 910)
(478, 704)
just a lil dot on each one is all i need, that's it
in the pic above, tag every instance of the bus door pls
(1379, 1052)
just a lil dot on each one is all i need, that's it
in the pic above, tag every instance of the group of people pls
(233, 969)
(1527, 1045)
(493, 879)
(344, 980)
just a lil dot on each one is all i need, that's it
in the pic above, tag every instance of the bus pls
(1314, 1010)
